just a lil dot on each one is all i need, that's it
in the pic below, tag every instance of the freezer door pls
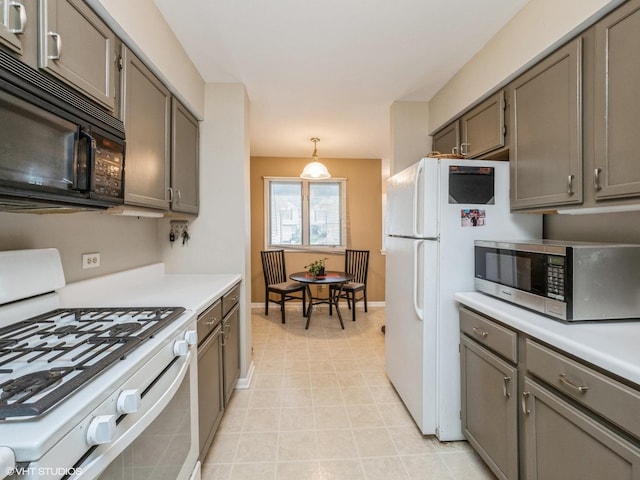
(410, 332)
(413, 200)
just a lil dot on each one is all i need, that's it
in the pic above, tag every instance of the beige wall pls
(410, 140)
(529, 35)
(364, 212)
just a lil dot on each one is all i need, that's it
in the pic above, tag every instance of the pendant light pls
(315, 170)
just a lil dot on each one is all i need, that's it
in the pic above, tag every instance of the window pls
(305, 214)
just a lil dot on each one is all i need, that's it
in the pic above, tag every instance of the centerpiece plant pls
(316, 268)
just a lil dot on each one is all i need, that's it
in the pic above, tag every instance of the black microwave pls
(56, 148)
(571, 281)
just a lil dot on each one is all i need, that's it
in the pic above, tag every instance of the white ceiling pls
(332, 68)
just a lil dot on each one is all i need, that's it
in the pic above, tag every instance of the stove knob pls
(191, 337)
(180, 348)
(128, 402)
(101, 429)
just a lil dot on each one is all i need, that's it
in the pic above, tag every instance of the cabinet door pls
(78, 47)
(231, 352)
(546, 149)
(447, 140)
(483, 127)
(563, 443)
(13, 21)
(617, 103)
(184, 159)
(210, 398)
(489, 408)
(147, 117)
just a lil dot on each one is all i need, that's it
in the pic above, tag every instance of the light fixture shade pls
(315, 170)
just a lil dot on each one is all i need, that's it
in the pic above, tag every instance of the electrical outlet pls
(90, 260)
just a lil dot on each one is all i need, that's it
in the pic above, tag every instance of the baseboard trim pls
(298, 306)
(243, 383)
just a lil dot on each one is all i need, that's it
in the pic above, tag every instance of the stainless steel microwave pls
(569, 281)
(57, 150)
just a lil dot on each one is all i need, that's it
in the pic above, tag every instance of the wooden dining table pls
(329, 278)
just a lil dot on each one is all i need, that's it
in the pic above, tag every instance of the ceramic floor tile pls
(321, 407)
(246, 471)
(384, 468)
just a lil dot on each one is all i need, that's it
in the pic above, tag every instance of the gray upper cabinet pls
(13, 22)
(184, 159)
(447, 140)
(147, 119)
(546, 137)
(77, 47)
(483, 128)
(617, 103)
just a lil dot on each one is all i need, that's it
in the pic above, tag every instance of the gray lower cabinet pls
(561, 442)
(483, 127)
(231, 351)
(76, 46)
(146, 108)
(617, 103)
(489, 408)
(546, 138)
(489, 386)
(184, 159)
(210, 395)
(533, 412)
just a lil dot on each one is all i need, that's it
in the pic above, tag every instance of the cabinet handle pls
(215, 320)
(570, 184)
(58, 39)
(480, 333)
(523, 403)
(505, 387)
(454, 150)
(22, 13)
(464, 148)
(565, 381)
(596, 179)
(170, 194)
(179, 193)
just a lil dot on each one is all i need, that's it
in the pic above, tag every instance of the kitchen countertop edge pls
(610, 345)
(149, 286)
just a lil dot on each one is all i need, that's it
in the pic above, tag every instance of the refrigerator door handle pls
(416, 283)
(417, 199)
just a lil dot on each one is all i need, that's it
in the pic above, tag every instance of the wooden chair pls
(276, 281)
(356, 262)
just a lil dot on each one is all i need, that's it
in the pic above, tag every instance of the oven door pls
(162, 443)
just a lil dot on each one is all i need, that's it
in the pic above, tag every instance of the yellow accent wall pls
(364, 217)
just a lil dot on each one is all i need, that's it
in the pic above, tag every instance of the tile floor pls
(321, 408)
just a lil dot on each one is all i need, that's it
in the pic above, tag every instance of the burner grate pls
(48, 357)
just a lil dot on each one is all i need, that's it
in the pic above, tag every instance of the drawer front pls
(488, 333)
(230, 299)
(609, 398)
(209, 319)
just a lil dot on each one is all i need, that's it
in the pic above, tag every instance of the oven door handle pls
(84, 173)
(97, 464)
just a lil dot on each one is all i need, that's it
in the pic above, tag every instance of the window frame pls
(305, 246)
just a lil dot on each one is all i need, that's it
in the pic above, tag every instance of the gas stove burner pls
(121, 329)
(29, 385)
(76, 345)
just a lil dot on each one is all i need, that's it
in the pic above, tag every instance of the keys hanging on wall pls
(179, 230)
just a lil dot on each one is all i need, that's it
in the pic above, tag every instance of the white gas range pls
(92, 392)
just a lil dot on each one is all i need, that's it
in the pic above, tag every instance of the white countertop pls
(148, 286)
(612, 346)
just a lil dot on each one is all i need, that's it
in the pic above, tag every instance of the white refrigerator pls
(435, 210)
